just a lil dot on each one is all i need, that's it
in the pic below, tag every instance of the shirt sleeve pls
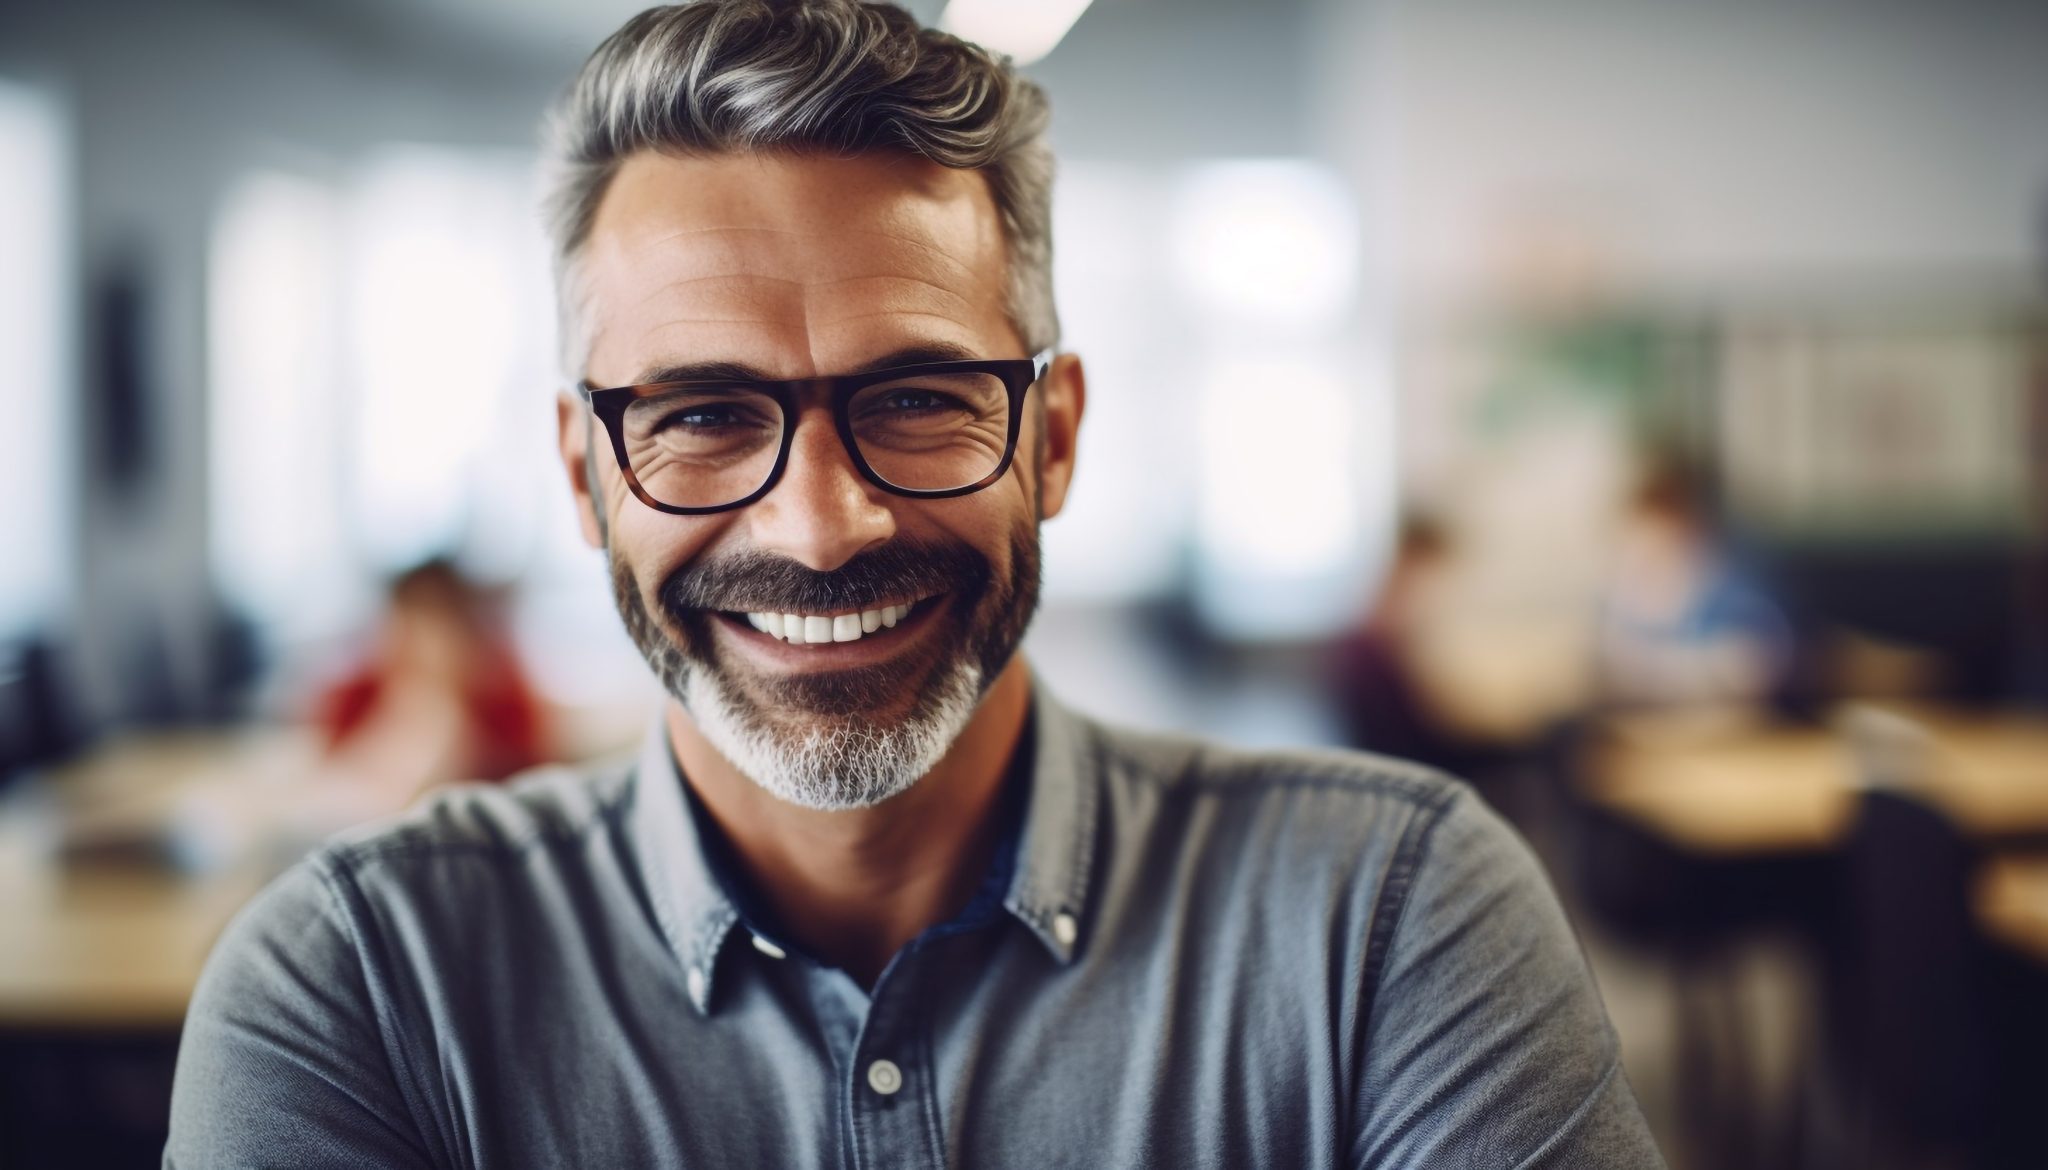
(1487, 1044)
(282, 1062)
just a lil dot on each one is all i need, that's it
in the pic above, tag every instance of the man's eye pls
(709, 418)
(701, 417)
(913, 401)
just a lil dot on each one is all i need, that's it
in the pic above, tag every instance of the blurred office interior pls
(1638, 408)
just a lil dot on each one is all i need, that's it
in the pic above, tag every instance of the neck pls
(853, 886)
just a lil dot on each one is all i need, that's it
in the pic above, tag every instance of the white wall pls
(1703, 145)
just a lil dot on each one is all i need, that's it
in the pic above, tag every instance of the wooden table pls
(1724, 791)
(2012, 903)
(118, 945)
(101, 935)
(1728, 789)
(1989, 773)
(109, 950)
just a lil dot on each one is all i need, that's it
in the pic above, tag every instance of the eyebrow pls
(922, 353)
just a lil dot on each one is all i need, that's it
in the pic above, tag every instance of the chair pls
(1908, 1057)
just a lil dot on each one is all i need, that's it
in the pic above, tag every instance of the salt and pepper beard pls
(821, 739)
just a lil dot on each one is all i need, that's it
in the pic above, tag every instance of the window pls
(278, 544)
(36, 499)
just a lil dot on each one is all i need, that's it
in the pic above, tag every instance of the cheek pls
(993, 522)
(656, 544)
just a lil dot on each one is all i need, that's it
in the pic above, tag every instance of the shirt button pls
(1064, 928)
(884, 1077)
(696, 984)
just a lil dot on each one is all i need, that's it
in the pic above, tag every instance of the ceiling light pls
(1025, 29)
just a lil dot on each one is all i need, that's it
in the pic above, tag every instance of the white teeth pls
(801, 629)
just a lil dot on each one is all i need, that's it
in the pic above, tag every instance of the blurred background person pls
(438, 695)
(1681, 623)
(1382, 691)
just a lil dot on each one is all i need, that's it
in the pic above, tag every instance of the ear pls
(572, 423)
(1065, 388)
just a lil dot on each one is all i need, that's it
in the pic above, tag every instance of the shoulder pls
(534, 812)
(1369, 856)
(465, 862)
(467, 865)
(1191, 766)
(1353, 832)
(1313, 793)
(328, 1006)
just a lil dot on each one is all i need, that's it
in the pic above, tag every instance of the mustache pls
(759, 581)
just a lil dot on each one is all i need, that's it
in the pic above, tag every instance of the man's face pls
(799, 267)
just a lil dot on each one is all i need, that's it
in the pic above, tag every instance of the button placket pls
(892, 1117)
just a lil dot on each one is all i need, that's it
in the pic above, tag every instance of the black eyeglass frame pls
(1018, 376)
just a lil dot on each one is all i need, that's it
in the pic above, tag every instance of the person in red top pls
(441, 695)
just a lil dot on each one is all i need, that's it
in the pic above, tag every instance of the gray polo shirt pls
(1199, 957)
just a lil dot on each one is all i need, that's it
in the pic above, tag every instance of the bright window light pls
(274, 408)
(1267, 241)
(1295, 491)
(35, 479)
(1025, 29)
(1277, 492)
(446, 303)
(1123, 534)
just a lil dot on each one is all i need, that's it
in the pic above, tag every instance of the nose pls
(821, 512)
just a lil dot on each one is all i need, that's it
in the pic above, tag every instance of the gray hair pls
(831, 76)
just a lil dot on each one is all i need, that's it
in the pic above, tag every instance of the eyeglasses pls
(928, 431)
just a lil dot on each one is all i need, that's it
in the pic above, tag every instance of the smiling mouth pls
(801, 629)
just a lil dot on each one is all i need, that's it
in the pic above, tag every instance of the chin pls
(842, 760)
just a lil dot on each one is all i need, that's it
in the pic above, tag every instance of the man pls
(868, 897)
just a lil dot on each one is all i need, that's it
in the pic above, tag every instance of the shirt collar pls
(1050, 891)
(1047, 893)
(694, 914)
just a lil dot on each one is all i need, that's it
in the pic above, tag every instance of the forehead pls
(795, 265)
